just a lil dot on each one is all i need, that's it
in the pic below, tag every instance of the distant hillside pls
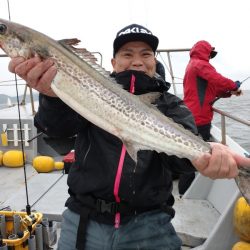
(4, 103)
(4, 98)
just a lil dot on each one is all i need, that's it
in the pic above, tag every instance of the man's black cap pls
(134, 32)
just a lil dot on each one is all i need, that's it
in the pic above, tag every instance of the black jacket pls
(97, 152)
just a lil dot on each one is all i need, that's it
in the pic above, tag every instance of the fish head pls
(18, 40)
(13, 40)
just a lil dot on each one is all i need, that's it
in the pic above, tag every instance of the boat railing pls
(167, 62)
(15, 82)
(223, 116)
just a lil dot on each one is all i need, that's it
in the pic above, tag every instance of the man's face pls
(135, 56)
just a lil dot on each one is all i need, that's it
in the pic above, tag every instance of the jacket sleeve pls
(220, 83)
(56, 119)
(174, 108)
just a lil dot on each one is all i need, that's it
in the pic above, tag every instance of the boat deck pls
(47, 193)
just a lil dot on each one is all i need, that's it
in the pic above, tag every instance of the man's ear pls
(113, 62)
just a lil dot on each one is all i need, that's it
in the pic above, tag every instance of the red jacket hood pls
(201, 50)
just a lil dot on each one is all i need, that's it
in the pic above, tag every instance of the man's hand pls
(36, 72)
(222, 163)
(237, 92)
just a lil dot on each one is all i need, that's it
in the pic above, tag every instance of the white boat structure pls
(204, 214)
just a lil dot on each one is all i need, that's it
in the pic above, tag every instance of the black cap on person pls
(134, 32)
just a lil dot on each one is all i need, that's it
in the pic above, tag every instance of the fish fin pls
(243, 180)
(70, 41)
(80, 52)
(85, 55)
(131, 150)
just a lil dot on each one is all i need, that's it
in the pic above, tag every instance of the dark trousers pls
(185, 180)
(204, 131)
(149, 230)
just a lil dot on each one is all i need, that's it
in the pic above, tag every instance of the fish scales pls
(123, 113)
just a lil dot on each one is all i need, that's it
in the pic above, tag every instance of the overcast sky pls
(177, 23)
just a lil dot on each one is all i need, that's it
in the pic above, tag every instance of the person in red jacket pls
(203, 84)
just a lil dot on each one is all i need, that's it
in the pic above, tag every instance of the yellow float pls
(13, 158)
(59, 165)
(43, 164)
(241, 245)
(46, 164)
(242, 219)
(1, 158)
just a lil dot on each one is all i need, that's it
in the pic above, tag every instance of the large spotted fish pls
(87, 88)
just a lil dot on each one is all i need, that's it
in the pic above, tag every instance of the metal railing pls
(168, 65)
(14, 82)
(223, 116)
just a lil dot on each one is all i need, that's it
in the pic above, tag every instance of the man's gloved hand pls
(238, 83)
(236, 92)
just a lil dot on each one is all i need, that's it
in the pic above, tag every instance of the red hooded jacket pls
(202, 84)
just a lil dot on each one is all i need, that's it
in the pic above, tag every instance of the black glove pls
(238, 83)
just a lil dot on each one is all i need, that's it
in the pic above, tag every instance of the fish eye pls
(3, 28)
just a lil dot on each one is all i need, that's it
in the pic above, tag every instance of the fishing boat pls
(204, 214)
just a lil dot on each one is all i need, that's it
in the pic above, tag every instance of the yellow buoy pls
(59, 165)
(13, 158)
(241, 245)
(1, 158)
(4, 139)
(242, 219)
(43, 164)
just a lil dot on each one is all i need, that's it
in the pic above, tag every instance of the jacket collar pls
(143, 83)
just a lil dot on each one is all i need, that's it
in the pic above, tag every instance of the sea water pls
(238, 106)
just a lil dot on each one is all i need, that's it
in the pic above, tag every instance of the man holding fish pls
(120, 188)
